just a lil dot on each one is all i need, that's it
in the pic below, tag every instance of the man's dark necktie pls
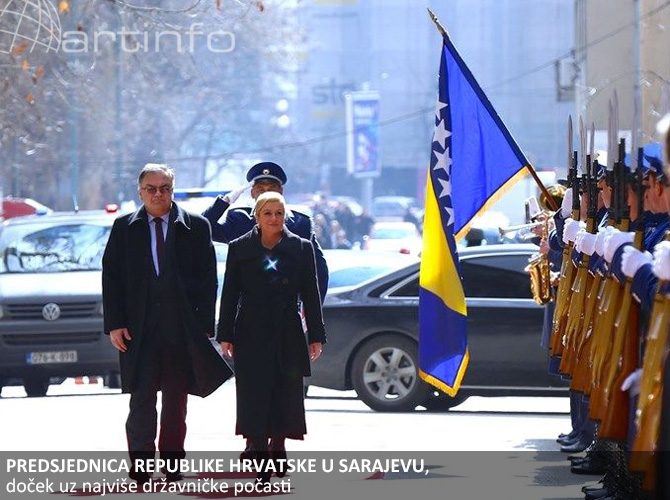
(160, 242)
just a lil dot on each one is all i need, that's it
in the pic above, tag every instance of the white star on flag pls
(441, 134)
(443, 161)
(450, 215)
(446, 188)
(438, 108)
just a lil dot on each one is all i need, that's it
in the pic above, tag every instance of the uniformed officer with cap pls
(262, 177)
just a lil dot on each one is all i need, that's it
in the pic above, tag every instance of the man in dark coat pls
(159, 295)
(262, 177)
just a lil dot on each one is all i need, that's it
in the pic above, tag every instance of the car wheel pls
(439, 401)
(36, 386)
(385, 374)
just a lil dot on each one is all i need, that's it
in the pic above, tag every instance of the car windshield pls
(49, 248)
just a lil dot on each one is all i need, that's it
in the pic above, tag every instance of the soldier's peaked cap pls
(266, 170)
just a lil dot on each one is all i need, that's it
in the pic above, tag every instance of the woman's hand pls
(227, 348)
(314, 351)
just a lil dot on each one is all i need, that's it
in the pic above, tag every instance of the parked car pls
(394, 237)
(347, 268)
(373, 330)
(51, 300)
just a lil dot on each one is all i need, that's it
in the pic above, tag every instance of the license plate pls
(42, 358)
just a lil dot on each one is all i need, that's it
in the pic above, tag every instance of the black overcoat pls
(261, 317)
(126, 271)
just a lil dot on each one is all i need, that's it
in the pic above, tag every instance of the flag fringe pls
(494, 198)
(451, 391)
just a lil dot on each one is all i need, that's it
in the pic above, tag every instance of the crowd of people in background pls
(337, 226)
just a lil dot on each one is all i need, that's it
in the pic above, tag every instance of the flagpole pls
(550, 200)
(439, 27)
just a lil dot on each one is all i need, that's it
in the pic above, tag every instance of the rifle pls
(609, 302)
(581, 375)
(624, 358)
(555, 346)
(648, 414)
(582, 282)
(565, 283)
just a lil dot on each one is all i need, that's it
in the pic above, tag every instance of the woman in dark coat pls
(268, 271)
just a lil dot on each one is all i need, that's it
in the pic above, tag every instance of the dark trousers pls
(165, 368)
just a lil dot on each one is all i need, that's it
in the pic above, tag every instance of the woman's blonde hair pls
(269, 197)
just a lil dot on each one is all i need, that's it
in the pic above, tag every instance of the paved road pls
(498, 448)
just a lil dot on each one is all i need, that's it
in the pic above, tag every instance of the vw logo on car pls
(51, 312)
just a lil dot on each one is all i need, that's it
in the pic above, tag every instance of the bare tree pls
(125, 83)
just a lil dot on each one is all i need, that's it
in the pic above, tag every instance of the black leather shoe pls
(249, 453)
(263, 475)
(568, 440)
(597, 494)
(574, 448)
(139, 477)
(279, 458)
(589, 467)
(600, 485)
(173, 477)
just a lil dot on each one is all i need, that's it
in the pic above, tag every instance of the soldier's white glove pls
(632, 383)
(571, 229)
(578, 239)
(661, 265)
(632, 260)
(613, 243)
(588, 244)
(236, 193)
(601, 237)
(566, 204)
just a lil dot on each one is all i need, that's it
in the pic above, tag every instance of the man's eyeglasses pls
(153, 189)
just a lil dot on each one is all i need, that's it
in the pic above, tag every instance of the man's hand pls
(227, 348)
(119, 337)
(236, 193)
(314, 350)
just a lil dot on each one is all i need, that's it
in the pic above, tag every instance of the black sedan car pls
(373, 335)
